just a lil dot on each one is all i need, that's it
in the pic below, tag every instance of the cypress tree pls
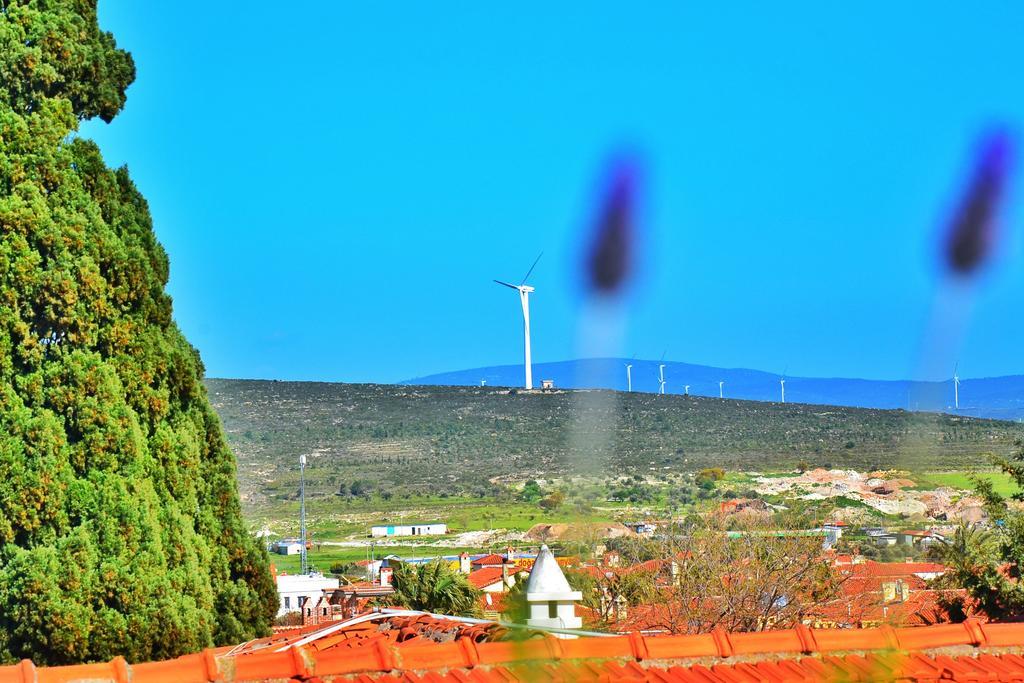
(120, 523)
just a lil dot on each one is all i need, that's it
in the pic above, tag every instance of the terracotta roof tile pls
(424, 648)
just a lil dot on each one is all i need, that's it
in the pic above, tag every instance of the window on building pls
(287, 602)
(552, 610)
(324, 613)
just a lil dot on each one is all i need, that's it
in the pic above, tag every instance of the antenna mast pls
(304, 564)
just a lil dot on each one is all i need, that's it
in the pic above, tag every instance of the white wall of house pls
(383, 530)
(285, 548)
(292, 588)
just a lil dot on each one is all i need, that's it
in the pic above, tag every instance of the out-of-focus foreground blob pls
(973, 230)
(610, 254)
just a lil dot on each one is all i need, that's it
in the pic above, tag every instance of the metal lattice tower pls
(302, 514)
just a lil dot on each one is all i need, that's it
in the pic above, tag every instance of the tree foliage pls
(989, 563)
(120, 523)
(747, 580)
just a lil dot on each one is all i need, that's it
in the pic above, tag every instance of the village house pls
(424, 529)
(918, 538)
(298, 592)
(287, 546)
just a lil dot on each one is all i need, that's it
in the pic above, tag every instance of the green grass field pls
(323, 558)
(1002, 483)
(328, 519)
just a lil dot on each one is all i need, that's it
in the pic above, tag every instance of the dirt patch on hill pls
(884, 491)
(576, 532)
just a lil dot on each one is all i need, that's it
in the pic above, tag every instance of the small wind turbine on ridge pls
(686, 389)
(956, 387)
(721, 393)
(661, 375)
(524, 299)
(782, 385)
(629, 374)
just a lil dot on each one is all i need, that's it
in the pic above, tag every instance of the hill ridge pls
(999, 397)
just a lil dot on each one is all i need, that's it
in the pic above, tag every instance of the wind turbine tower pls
(629, 377)
(956, 388)
(661, 378)
(721, 393)
(524, 299)
(303, 563)
(782, 383)
(686, 389)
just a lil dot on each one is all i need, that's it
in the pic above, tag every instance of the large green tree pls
(120, 524)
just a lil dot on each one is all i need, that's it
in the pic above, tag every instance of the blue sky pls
(338, 183)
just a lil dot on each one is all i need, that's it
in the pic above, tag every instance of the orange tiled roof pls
(485, 577)
(493, 558)
(919, 608)
(872, 568)
(422, 648)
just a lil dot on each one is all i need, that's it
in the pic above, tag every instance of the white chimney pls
(551, 599)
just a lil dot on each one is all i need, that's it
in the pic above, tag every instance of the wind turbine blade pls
(506, 284)
(527, 276)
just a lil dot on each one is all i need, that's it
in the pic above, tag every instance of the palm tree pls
(969, 551)
(973, 562)
(434, 587)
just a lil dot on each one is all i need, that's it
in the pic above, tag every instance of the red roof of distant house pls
(486, 576)
(493, 558)
(872, 568)
(596, 572)
(422, 648)
(919, 608)
(858, 584)
(650, 567)
(494, 602)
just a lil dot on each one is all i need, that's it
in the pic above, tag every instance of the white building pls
(287, 546)
(431, 529)
(551, 599)
(294, 590)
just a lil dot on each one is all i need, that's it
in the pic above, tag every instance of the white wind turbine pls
(661, 378)
(629, 377)
(782, 383)
(956, 388)
(721, 393)
(686, 389)
(524, 299)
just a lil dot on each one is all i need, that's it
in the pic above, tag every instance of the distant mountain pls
(992, 397)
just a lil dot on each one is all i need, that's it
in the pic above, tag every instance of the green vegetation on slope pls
(396, 442)
(120, 524)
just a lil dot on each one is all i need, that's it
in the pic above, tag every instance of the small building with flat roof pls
(426, 529)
